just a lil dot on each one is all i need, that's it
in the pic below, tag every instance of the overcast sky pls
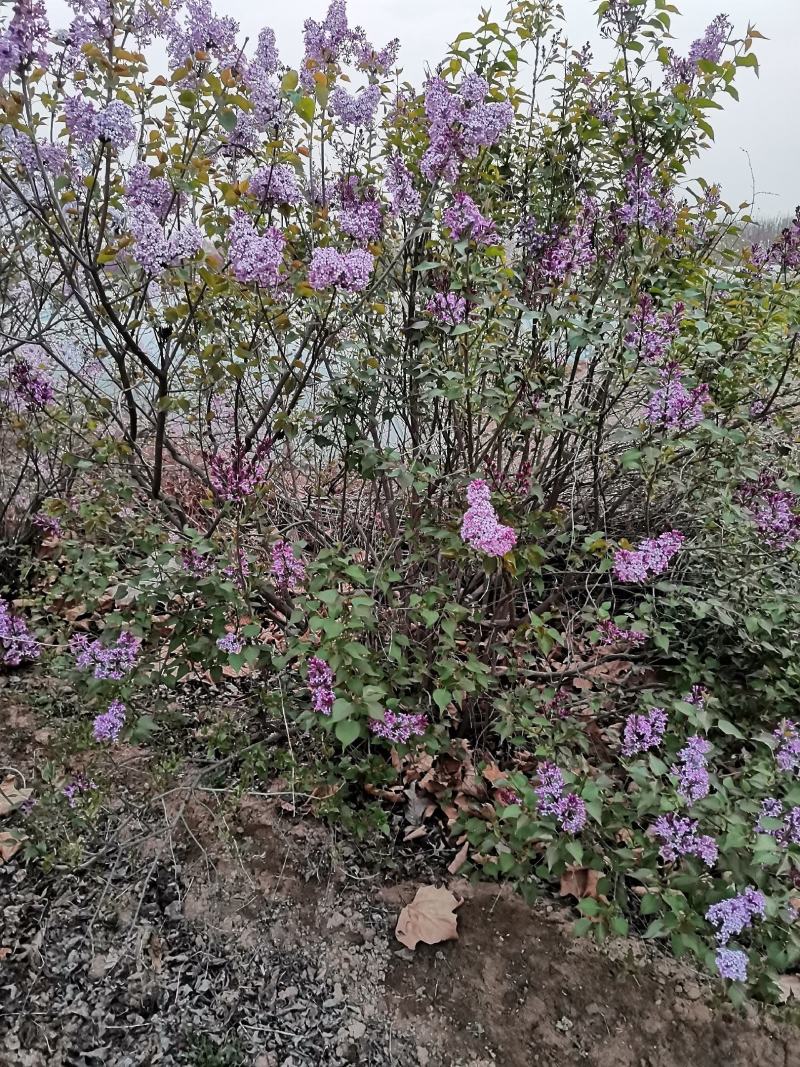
(763, 126)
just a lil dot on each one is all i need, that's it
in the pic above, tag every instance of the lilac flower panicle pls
(568, 808)
(202, 32)
(17, 644)
(447, 308)
(361, 219)
(651, 558)
(678, 837)
(735, 914)
(674, 406)
(325, 41)
(644, 732)
(480, 526)
(355, 110)
(350, 271)
(108, 725)
(787, 753)
(697, 696)
(48, 524)
(651, 333)
(25, 37)
(255, 257)
(404, 198)
(775, 512)
(732, 964)
(106, 661)
(114, 124)
(463, 219)
(707, 48)
(79, 785)
(287, 569)
(692, 771)
(234, 475)
(645, 206)
(507, 797)
(320, 682)
(460, 124)
(230, 643)
(610, 634)
(399, 726)
(30, 386)
(142, 190)
(152, 248)
(275, 183)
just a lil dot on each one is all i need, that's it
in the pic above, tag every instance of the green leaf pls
(441, 698)
(650, 904)
(589, 907)
(347, 731)
(305, 108)
(227, 120)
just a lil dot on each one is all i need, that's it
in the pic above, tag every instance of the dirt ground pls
(209, 935)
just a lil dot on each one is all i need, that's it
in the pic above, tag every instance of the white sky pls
(763, 125)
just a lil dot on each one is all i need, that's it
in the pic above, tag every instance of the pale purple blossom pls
(447, 308)
(552, 799)
(201, 32)
(234, 475)
(79, 785)
(196, 563)
(230, 643)
(360, 216)
(463, 219)
(25, 37)
(17, 644)
(399, 726)
(651, 558)
(113, 123)
(320, 682)
(735, 914)
(678, 837)
(108, 725)
(775, 512)
(643, 732)
(732, 964)
(286, 569)
(106, 661)
(674, 406)
(787, 753)
(346, 270)
(142, 190)
(355, 109)
(707, 48)
(255, 257)
(691, 770)
(275, 183)
(404, 198)
(30, 386)
(610, 634)
(646, 206)
(152, 248)
(324, 41)
(460, 124)
(651, 333)
(697, 696)
(48, 524)
(481, 527)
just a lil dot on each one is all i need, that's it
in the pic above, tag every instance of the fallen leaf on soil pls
(789, 985)
(580, 882)
(9, 846)
(10, 796)
(5, 951)
(428, 918)
(459, 859)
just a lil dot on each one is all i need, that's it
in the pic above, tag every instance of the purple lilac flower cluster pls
(399, 726)
(320, 682)
(562, 251)
(788, 833)
(463, 219)
(360, 216)
(709, 47)
(325, 41)
(731, 917)
(201, 32)
(287, 569)
(447, 308)
(239, 569)
(674, 406)
(651, 558)
(460, 124)
(258, 77)
(505, 796)
(195, 563)
(559, 705)
(152, 248)
(275, 184)
(142, 190)
(679, 837)
(230, 643)
(107, 661)
(787, 753)
(24, 37)
(79, 785)
(403, 197)
(16, 641)
(553, 799)
(30, 386)
(48, 524)
(355, 109)
(775, 512)
(643, 732)
(113, 123)
(645, 206)
(691, 770)
(235, 476)
(108, 725)
(651, 333)
(697, 695)
(610, 634)
(255, 257)
(346, 270)
(480, 526)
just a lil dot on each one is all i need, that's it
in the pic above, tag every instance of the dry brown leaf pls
(459, 859)
(413, 832)
(10, 796)
(430, 918)
(580, 882)
(5, 952)
(156, 948)
(9, 846)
